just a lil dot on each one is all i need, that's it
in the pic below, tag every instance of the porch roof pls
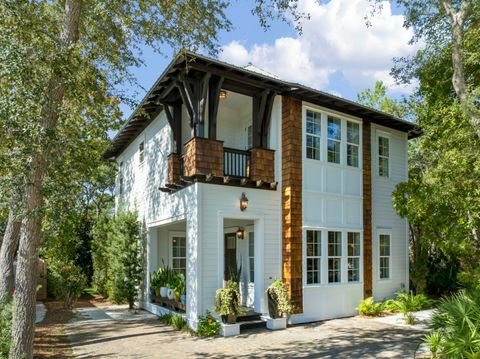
(241, 80)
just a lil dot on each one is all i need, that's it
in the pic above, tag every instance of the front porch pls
(238, 256)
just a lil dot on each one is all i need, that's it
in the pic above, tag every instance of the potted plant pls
(279, 304)
(155, 282)
(179, 287)
(164, 279)
(227, 303)
(170, 283)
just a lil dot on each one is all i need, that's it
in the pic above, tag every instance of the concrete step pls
(252, 324)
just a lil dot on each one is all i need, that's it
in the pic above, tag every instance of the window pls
(383, 156)
(313, 133)
(249, 137)
(251, 255)
(120, 178)
(384, 242)
(141, 151)
(353, 256)
(353, 143)
(314, 253)
(334, 139)
(334, 257)
(179, 254)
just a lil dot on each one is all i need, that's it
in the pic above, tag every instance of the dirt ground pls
(50, 338)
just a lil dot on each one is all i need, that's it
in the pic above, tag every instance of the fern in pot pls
(279, 303)
(227, 303)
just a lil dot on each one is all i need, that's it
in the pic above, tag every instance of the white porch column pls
(194, 257)
(152, 261)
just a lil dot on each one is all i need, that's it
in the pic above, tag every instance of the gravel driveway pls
(114, 332)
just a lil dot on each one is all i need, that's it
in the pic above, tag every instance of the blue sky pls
(337, 52)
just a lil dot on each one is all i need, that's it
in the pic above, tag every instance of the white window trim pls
(141, 152)
(320, 138)
(341, 257)
(360, 256)
(325, 112)
(324, 258)
(172, 234)
(321, 257)
(388, 233)
(377, 152)
(121, 178)
(359, 160)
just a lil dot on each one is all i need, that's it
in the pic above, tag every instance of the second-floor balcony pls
(206, 160)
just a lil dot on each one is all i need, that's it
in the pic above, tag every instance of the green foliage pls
(207, 325)
(127, 256)
(278, 292)
(455, 325)
(178, 322)
(378, 99)
(66, 280)
(119, 256)
(166, 318)
(227, 300)
(370, 308)
(5, 326)
(410, 302)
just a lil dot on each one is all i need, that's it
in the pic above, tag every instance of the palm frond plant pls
(456, 326)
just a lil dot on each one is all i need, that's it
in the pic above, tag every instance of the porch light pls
(222, 94)
(240, 233)
(243, 202)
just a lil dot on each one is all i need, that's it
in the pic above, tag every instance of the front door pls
(230, 254)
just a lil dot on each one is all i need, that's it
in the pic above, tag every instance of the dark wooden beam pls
(215, 86)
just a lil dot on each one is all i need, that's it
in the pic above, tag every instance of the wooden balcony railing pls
(236, 163)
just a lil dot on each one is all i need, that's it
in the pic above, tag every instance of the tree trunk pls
(7, 254)
(457, 22)
(24, 300)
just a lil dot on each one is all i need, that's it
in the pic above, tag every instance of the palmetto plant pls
(456, 327)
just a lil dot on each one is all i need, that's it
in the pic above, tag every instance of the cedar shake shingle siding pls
(292, 199)
(367, 209)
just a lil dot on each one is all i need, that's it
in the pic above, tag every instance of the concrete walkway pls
(114, 332)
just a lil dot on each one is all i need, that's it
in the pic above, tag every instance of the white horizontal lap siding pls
(218, 199)
(384, 217)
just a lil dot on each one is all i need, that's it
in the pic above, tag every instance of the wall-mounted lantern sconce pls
(222, 94)
(240, 233)
(243, 202)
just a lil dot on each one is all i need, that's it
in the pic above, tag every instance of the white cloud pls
(335, 39)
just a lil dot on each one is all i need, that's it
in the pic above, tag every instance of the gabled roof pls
(248, 80)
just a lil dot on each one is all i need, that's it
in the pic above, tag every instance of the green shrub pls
(66, 280)
(370, 308)
(278, 293)
(227, 300)
(455, 324)
(5, 325)
(178, 322)
(207, 325)
(409, 302)
(100, 256)
(166, 318)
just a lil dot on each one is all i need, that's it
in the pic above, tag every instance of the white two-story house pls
(231, 167)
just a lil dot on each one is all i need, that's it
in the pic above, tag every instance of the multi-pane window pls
(251, 255)
(141, 151)
(383, 156)
(334, 133)
(314, 253)
(120, 178)
(353, 246)
(353, 143)
(384, 242)
(179, 254)
(313, 133)
(334, 257)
